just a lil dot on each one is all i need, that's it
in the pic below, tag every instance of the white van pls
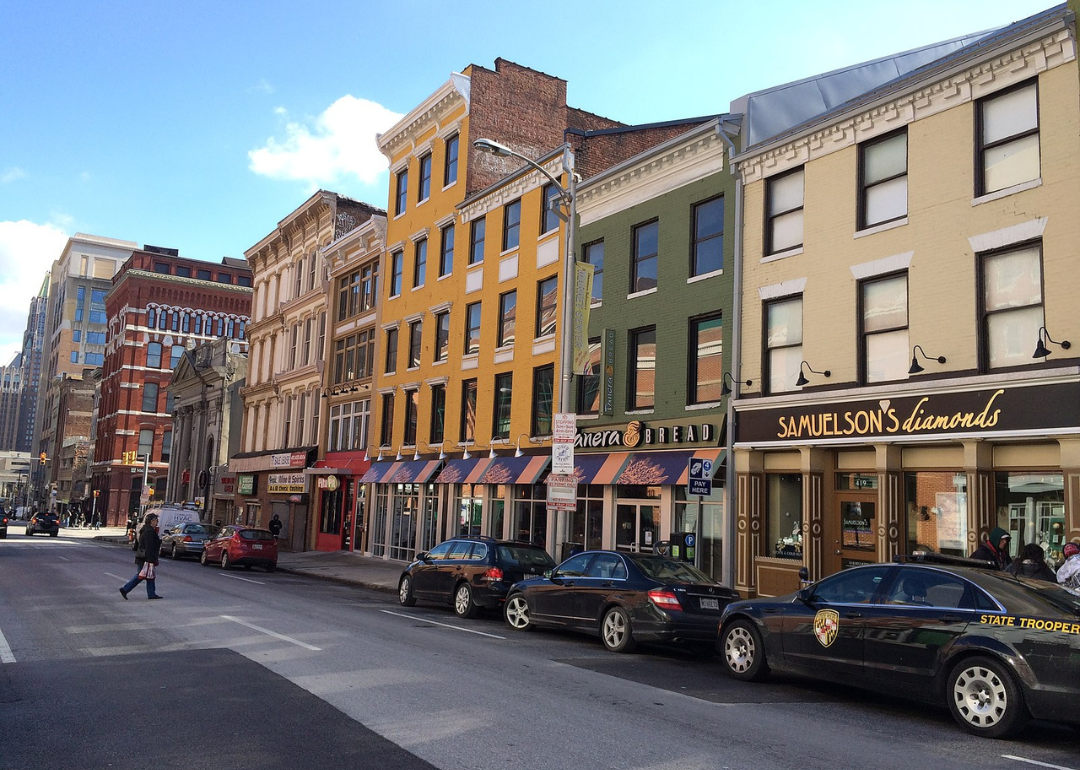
(168, 517)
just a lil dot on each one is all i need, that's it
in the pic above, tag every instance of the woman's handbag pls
(147, 571)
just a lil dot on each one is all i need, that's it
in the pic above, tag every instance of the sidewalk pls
(337, 566)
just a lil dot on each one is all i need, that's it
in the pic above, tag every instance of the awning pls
(652, 468)
(336, 467)
(410, 472)
(377, 471)
(515, 470)
(463, 471)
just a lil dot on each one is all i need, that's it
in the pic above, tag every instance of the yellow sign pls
(826, 626)
(583, 282)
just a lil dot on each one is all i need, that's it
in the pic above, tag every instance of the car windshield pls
(256, 534)
(669, 570)
(195, 529)
(526, 556)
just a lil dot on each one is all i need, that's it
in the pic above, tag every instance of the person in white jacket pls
(1068, 574)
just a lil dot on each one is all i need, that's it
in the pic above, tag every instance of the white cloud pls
(338, 144)
(27, 251)
(12, 174)
(262, 87)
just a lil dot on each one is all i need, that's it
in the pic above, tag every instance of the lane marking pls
(246, 580)
(274, 634)
(6, 655)
(58, 556)
(114, 576)
(1035, 762)
(444, 625)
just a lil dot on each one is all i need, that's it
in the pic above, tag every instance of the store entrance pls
(851, 537)
(636, 527)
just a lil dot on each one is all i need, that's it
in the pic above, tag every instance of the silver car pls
(185, 539)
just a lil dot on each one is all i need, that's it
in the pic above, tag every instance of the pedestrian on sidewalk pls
(146, 558)
(275, 526)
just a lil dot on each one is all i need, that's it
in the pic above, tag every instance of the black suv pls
(471, 572)
(47, 523)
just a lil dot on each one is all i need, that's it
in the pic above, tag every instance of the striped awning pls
(514, 470)
(401, 471)
(462, 471)
(651, 468)
(377, 471)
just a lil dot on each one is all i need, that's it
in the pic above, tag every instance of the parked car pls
(471, 572)
(626, 598)
(3, 525)
(184, 540)
(46, 523)
(994, 648)
(236, 546)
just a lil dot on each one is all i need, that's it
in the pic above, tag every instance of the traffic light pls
(130, 458)
(149, 491)
(97, 493)
(44, 457)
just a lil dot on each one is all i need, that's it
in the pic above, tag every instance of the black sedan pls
(996, 649)
(46, 523)
(624, 597)
(185, 539)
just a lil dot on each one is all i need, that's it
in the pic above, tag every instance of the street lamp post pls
(568, 196)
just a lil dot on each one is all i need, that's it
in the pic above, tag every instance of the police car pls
(996, 649)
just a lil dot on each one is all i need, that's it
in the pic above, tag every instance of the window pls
(298, 284)
(151, 317)
(423, 189)
(1012, 305)
(161, 267)
(1008, 134)
(391, 351)
(224, 278)
(94, 359)
(286, 435)
(416, 335)
(885, 328)
(646, 256)
(507, 317)
(97, 307)
(643, 368)
(153, 355)
(546, 304)
(511, 225)
(183, 271)
(549, 218)
(146, 442)
(543, 390)
(783, 515)
(76, 335)
(468, 410)
(242, 280)
(450, 169)
(202, 274)
(412, 404)
(301, 418)
(856, 587)
(397, 266)
(402, 192)
(295, 344)
(708, 256)
(784, 212)
(783, 343)
(477, 231)
(438, 414)
(163, 319)
(354, 356)
(349, 426)
(386, 435)
(504, 386)
(74, 356)
(166, 446)
(706, 360)
(442, 336)
(174, 321)
(80, 298)
(174, 355)
(594, 255)
(589, 382)
(883, 180)
(185, 323)
(313, 270)
(95, 338)
(472, 328)
(420, 262)
(198, 324)
(446, 250)
(308, 327)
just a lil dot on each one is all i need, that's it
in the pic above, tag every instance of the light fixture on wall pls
(726, 390)
(1041, 351)
(399, 458)
(517, 450)
(915, 353)
(387, 447)
(802, 377)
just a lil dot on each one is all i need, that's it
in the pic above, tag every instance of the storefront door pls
(852, 531)
(636, 527)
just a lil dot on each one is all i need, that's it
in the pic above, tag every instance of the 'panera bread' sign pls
(1040, 407)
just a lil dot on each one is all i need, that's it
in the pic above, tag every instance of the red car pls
(235, 546)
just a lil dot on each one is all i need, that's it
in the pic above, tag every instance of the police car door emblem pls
(826, 624)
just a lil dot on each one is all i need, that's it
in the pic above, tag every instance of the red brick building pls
(160, 305)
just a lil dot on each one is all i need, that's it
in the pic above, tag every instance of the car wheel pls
(175, 554)
(225, 560)
(404, 592)
(985, 699)
(3, 535)
(29, 532)
(53, 534)
(615, 631)
(464, 606)
(516, 613)
(203, 560)
(744, 652)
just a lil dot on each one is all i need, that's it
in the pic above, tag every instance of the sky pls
(199, 125)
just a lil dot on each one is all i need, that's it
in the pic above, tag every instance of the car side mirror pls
(549, 574)
(423, 556)
(805, 595)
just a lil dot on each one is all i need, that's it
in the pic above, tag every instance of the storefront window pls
(530, 514)
(403, 524)
(469, 505)
(359, 517)
(710, 543)
(783, 525)
(587, 522)
(378, 520)
(497, 511)
(429, 527)
(937, 515)
(1031, 507)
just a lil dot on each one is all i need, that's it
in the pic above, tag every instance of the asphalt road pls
(252, 670)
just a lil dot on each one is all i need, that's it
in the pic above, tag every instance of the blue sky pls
(199, 125)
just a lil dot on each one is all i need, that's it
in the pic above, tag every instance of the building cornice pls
(430, 112)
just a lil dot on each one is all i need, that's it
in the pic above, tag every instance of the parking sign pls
(699, 477)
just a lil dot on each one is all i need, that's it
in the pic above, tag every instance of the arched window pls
(153, 355)
(151, 317)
